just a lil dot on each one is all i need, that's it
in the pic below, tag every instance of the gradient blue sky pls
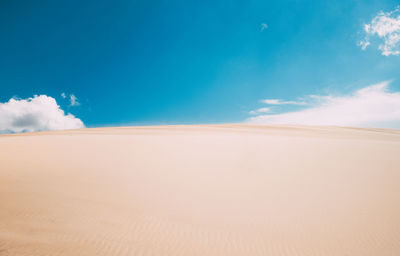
(162, 62)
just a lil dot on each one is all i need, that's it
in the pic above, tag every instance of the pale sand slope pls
(201, 190)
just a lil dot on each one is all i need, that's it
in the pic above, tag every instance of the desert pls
(234, 189)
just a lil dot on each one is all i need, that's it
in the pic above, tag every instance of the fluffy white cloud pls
(282, 102)
(39, 113)
(372, 106)
(386, 27)
(260, 110)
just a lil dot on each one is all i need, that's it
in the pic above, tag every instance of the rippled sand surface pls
(201, 190)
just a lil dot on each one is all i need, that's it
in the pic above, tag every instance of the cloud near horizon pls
(39, 113)
(372, 106)
(386, 27)
(260, 110)
(282, 102)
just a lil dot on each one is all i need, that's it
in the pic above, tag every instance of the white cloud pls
(372, 106)
(386, 27)
(74, 100)
(264, 26)
(39, 113)
(260, 110)
(280, 102)
(364, 45)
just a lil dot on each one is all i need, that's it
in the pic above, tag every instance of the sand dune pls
(201, 190)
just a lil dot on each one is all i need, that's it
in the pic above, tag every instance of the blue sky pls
(168, 62)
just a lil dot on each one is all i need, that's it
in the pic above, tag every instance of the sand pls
(201, 190)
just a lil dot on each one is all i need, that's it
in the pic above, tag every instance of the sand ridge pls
(201, 190)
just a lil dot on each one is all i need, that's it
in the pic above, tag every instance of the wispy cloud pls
(386, 27)
(72, 99)
(260, 110)
(264, 26)
(39, 113)
(282, 102)
(372, 106)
